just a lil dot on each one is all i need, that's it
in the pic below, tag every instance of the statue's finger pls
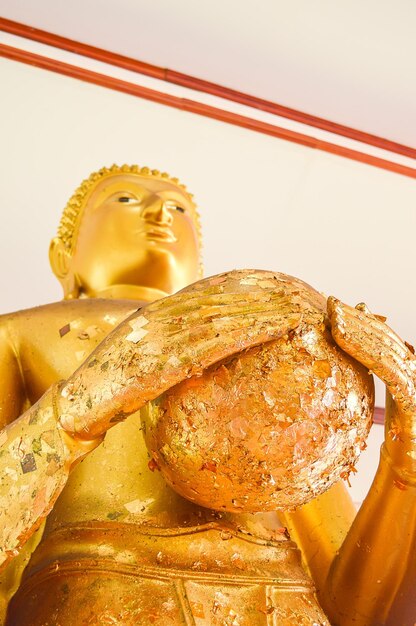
(360, 319)
(377, 347)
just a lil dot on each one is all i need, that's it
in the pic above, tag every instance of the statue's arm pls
(168, 341)
(152, 350)
(370, 578)
(35, 458)
(319, 529)
(13, 402)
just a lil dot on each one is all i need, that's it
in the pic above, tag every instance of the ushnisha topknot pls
(72, 214)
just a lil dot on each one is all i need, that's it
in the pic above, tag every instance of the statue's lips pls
(157, 233)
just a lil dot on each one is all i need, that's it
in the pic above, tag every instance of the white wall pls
(345, 227)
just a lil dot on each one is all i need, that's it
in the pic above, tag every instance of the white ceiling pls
(349, 61)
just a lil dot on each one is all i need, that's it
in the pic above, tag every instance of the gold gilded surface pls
(211, 573)
(120, 546)
(127, 232)
(270, 428)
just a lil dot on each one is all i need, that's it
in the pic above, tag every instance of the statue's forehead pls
(134, 183)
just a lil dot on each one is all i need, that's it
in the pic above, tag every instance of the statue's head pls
(127, 227)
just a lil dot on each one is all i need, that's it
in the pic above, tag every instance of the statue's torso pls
(114, 483)
(119, 537)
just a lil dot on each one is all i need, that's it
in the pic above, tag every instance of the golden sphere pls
(269, 428)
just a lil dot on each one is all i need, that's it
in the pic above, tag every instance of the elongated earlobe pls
(61, 261)
(59, 258)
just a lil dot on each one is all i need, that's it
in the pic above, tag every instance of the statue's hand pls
(369, 340)
(170, 340)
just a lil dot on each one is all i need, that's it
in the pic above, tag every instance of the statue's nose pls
(157, 212)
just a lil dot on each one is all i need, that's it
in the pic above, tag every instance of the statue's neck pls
(128, 292)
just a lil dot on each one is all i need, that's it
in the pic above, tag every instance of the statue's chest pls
(117, 483)
(113, 482)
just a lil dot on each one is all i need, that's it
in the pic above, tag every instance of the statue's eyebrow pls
(174, 196)
(109, 192)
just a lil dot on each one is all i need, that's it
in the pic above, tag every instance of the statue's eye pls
(172, 206)
(126, 199)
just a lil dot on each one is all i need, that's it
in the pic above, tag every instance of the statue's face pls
(136, 230)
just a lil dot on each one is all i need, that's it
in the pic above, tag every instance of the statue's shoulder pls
(84, 306)
(58, 316)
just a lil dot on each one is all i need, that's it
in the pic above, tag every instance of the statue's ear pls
(59, 258)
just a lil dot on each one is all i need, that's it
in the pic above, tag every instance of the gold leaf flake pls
(136, 335)
(110, 319)
(410, 347)
(92, 331)
(328, 398)
(174, 361)
(135, 506)
(152, 465)
(322, 368)
(265, 284)
(197, 609)
(352, 402)
(138, 322)
(270, 401)
(28, 463)
(89, 333)
(9, 471)
(64, 330)
(44, 415)
(248, 281)
(210, 466)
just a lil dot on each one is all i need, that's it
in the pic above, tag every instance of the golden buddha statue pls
(120, 545)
